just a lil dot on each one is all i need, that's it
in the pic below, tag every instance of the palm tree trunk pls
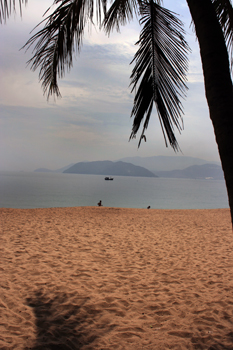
(218, 83)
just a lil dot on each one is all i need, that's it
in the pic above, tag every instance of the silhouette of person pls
(148, 207)
(100, 203)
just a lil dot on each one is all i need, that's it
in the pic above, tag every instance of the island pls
(109, 168)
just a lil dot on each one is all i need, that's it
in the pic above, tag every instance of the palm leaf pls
(224, 11)
(160, 70)
(6, 7)
(55, 44)
(119, 13)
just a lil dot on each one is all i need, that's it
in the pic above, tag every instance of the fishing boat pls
(108, 178)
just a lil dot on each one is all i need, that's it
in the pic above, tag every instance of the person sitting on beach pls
(100, 203)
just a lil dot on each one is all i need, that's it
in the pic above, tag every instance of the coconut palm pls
(213, 22)
(160, 64)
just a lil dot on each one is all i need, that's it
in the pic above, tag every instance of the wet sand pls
(114, 278)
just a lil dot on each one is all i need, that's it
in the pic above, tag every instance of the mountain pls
(161, 163)
(107, 167)
(45, 170)
(153, 164)
(205, 171)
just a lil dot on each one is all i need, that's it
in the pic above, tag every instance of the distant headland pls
(108, 167)
(157, 166)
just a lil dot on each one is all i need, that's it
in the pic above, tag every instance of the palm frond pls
(224, 11)
(55, 44)
(120, 12)
(7, 6)
(161, 65)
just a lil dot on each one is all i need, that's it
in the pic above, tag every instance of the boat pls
(108, 178)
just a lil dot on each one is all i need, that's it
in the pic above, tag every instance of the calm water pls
(45, 190)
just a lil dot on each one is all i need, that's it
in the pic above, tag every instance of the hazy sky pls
(92, 119)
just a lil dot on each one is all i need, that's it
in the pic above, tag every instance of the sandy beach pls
(114, 278)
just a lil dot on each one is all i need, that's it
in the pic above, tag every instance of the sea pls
(46, 190)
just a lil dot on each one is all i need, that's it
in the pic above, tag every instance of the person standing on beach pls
(100, 203)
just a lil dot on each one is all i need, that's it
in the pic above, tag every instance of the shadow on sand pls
(70, 322)
(63, 323)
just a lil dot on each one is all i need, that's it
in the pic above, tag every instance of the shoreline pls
(116, 278)
(106, 207)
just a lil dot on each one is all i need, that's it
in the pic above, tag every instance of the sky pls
(91, 121)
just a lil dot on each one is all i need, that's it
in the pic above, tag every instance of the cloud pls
(92, 119)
